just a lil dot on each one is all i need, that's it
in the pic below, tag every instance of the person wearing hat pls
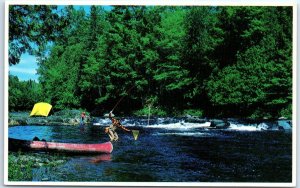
(111, 130)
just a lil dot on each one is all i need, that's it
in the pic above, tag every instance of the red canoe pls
(16, 144)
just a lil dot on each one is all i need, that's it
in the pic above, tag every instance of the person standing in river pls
(111, 130)
(82, 119)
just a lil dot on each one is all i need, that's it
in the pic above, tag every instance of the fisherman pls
(111, 130)
(82, 118)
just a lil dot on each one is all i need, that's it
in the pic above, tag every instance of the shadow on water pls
(243, 156)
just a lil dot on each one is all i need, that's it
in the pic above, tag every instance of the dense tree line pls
(212, 61)
(23, 94)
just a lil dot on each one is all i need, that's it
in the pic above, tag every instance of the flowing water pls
(169, 150)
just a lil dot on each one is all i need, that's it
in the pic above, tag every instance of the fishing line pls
(135, 133)
(122, 98)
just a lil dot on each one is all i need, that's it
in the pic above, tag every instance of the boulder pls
(73, 121)
(12, 122)
(219, 124)
(44, 121)
(262, 126)
(192, 119)
(284, 124)
(22, 121)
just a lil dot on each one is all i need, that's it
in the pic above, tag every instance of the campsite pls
(132, 94)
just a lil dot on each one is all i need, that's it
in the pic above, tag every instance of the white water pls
(195, 134)
(242, 127)
(181, 125)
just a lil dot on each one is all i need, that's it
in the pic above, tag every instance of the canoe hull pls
(16, 144)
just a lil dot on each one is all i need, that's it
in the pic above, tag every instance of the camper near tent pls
(41, 109)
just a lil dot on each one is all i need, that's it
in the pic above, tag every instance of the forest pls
(207, 61)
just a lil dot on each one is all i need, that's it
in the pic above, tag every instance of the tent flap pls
(41, 109)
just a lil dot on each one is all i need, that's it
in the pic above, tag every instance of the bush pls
(193, 112)
(260, 114)
(286, 112)
(154, 111)
(69, 113)
(19, 170)
(20, 164)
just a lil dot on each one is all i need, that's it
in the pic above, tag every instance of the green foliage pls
(199, 43)
(286, 112)
(259, 113)
(60, 81)
(170, 72)
(23, 94)
(19, 170)
(31, 27)
(242, 83)
(154, 111)
(227, 61)
(20, 164)
(193, 112)
(260, 79)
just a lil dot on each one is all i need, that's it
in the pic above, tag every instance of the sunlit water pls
(173, 151)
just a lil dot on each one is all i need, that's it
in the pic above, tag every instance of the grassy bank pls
(20, 164)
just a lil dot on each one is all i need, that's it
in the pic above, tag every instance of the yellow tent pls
(41, 109)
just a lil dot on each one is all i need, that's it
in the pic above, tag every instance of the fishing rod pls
(135, 133)
(127, 92)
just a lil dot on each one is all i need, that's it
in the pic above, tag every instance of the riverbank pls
(208, 155)
(64, 117)
(72, 118)
(20, 164)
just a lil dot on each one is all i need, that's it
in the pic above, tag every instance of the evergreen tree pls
(226, 61)
(171, 75)
(246, 85)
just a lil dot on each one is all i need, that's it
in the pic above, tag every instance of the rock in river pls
(284, 125)
(219, 124)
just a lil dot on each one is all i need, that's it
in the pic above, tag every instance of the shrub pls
(69, 113)
(154, 111)
(193, 112)
(260, 114)
(19, 170)
(286, 112)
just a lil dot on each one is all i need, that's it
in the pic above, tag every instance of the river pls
(169, 151)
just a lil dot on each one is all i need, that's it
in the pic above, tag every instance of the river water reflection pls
(175, 152)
